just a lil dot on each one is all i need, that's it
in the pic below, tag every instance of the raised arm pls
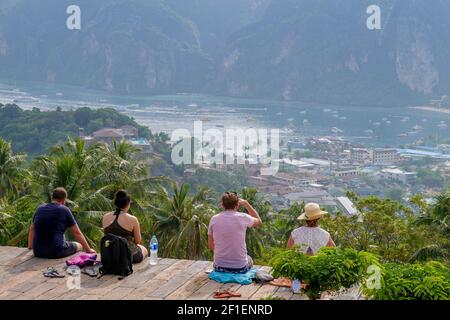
(252, 212)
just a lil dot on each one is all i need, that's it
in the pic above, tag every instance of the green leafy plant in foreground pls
(429, 281)
(331, 269)
(273, 298)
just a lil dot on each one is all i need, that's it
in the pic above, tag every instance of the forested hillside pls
(34, 131)
(309, 50)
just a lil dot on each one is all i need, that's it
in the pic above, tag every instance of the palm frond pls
(431, 252)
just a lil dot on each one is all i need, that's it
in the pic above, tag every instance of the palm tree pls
(124, 149)
(89, 174)
(259, 238)
(286, 221)
(15, 218)
(118, 167)
(5, 233)
(65, 166)
(12, 174)
(432, 252)
(182, 221)
(436, 218)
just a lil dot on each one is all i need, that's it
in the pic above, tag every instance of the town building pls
(377, 156)
(346, 172)
(361, 155)
(129, 131)
(144, 145)
(414, 153)
(347, 206)
(397, 174)
(321, 197)
(107, 135)
(384, 156)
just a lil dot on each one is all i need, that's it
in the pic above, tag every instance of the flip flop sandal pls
(97, 264)
(281, 282)
(234, 294)
(91, 271)
(52, 273)
(226, 294)
(220, 295)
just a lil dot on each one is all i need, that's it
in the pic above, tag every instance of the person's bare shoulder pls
(133, 218)
(107, 216)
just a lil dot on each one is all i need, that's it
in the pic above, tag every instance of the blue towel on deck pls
(241, 278)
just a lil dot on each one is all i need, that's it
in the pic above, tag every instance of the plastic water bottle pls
(296, 286)
(153, 251)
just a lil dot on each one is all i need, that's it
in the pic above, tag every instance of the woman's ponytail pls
(121, 200)
(117, 212)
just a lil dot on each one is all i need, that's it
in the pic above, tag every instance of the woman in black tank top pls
(122, 202)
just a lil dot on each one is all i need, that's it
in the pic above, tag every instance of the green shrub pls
(330, 269)
(430, 281)
(272, 297)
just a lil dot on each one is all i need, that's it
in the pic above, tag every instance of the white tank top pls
(310, 240)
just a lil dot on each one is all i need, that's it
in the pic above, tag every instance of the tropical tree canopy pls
(12, 174)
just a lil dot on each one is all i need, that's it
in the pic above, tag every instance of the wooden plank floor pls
(21, 278)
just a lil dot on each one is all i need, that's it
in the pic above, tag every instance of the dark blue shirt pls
(50, 223)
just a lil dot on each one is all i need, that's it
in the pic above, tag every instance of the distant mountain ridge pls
(309, 50)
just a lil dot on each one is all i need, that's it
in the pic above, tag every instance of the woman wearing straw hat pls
(310, 238)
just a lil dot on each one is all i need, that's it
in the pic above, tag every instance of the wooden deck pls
(21, 279)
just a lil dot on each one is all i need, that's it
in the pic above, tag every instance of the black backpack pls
(116, 256)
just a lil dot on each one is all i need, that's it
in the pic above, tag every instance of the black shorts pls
(69, 248)
(138, 257)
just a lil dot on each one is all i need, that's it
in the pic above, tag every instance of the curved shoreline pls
(433, 109)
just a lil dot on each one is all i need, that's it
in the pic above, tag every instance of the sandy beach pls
(434, 109)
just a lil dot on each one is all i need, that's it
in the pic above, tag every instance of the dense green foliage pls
(11, 171)
(330, 269)
(335, 269)
(385, 227)
(33, 131)
(430, 281)
(181, 221)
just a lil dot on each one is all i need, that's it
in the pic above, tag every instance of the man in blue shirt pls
(50, 222)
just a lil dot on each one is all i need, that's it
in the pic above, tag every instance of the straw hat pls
(312, 212)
